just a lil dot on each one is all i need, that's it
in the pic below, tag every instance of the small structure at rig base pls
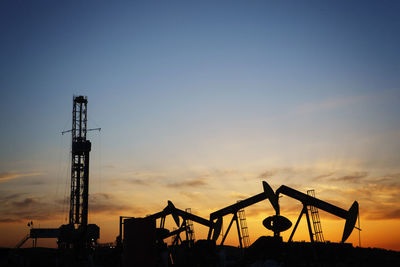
(140, 242)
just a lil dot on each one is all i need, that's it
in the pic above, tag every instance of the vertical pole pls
(238, 230)
(80, 120)
(85, 193)
(120, 227)
(308, 223)
(359, 229)
(77, 188)
(73, 165)
(186, 229)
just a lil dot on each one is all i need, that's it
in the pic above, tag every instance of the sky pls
(198, 103)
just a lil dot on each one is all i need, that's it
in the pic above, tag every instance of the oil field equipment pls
(349, 215)
(234, 210)
(77, 233)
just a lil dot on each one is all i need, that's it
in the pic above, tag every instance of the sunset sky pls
(199, 102)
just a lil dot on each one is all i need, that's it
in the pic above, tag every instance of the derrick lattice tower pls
(78, 214)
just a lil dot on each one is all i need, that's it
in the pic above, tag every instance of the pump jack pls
(145, 229)
(234, 209)
(278, 223)
(350, 216)
(176, 214)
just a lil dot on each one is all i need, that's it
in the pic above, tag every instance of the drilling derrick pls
(78, 214)
(77, 233)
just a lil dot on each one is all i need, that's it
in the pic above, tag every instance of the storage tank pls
(139, 244)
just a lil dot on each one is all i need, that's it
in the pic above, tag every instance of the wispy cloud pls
(222, 172)
(26, 203)
(378, 196)
(192, 195)
(109, 166)
(392, 214)
(6, 176)
(387, 213)
(332, 103)
(238, 195)
(265, 210)
(322, 176)
(15, 209)
(188, 183)
(268, 174)
(287, 173)
(106, 203)
(138, 178)
(10, 220)
(352, 178)
(139, 181)
(4, 197)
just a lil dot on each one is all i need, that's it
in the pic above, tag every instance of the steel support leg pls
(308, 223)
(295, 226)
(238, 230)
(227, 230)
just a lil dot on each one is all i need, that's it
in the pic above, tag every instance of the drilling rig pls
(77, 234)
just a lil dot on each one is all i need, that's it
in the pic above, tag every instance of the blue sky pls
(187, 88)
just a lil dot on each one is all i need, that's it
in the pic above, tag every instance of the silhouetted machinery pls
(349, 215)
(275, 223)
(154, 247)
(163, 233)
(234, 209)
(77, 233)
(279, 223)
(143, 242)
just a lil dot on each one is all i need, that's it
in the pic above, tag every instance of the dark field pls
(262, 252)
